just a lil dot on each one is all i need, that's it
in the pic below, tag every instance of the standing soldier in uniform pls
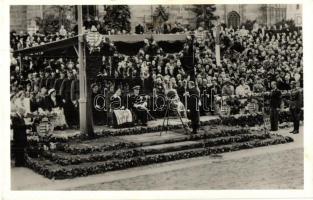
(295, 107)
(193, 106)
(275, 103)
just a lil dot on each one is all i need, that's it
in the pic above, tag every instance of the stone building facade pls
(22, 17)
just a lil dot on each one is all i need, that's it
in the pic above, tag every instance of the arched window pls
(233, 19)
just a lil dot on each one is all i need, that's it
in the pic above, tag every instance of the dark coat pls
(75, 90)
(19, 131)
(57, 85)
(50, 82)
(275, 98)
(296, 100)
(51, 104)
(193, 104)
(42, 83)
(65, 89)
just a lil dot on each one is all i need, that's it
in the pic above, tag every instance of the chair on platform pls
(225, 110)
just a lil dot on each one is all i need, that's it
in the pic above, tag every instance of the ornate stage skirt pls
(122, 117)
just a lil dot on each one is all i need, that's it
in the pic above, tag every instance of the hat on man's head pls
(136, 87)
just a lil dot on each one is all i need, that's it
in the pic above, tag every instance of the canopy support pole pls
(85, 115)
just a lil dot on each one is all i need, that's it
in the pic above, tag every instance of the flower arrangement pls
(55, 171)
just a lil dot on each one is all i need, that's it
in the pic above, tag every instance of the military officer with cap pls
(138, 105)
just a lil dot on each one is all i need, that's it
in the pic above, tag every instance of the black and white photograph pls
(123, 97)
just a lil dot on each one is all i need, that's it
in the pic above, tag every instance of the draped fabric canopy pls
(125, 44)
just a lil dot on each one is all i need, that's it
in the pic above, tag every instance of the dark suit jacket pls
(57, 85)
(193, 104)
(275, 99)
(50, 82)
(65, 89)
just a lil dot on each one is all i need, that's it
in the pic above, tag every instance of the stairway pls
(85, 157)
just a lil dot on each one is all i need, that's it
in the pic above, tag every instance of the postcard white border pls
(307, 193)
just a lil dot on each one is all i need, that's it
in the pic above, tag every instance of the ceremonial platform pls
(115, 149)
(68, 134)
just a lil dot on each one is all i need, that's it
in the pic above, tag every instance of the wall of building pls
(294, 11)
(269, 14)
(18, 14)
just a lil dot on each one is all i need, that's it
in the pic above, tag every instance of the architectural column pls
(225, 14)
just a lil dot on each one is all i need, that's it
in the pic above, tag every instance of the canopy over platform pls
(51, 46)
(121, 42)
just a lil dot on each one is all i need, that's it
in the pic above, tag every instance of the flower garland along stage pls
(254, 119)
(91, 157)
(55, 171)
(67, 159)
(107, 144)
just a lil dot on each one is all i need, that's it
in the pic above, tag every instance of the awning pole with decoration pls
(85, 120)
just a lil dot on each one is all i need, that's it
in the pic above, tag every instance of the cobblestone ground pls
(279, 170)
(270, 167)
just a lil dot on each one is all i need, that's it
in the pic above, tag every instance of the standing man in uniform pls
(275, 103)
(295, 107)
(193, 106)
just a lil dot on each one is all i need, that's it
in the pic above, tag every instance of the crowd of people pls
(250, 61)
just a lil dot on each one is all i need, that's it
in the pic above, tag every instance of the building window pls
(233, 19)
(298, 6)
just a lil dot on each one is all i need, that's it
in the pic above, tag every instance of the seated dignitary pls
(138, 105)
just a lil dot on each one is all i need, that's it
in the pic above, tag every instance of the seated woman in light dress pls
(53, 104)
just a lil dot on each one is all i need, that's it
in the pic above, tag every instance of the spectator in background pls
(228, 88)
(139, 29)
(243, 90)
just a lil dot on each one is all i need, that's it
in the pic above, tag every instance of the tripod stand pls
(169, 103)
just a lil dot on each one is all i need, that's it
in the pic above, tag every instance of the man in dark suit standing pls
(275, 103)
(193, 106)
(68, 106)
(19, 137)
(295, 107)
